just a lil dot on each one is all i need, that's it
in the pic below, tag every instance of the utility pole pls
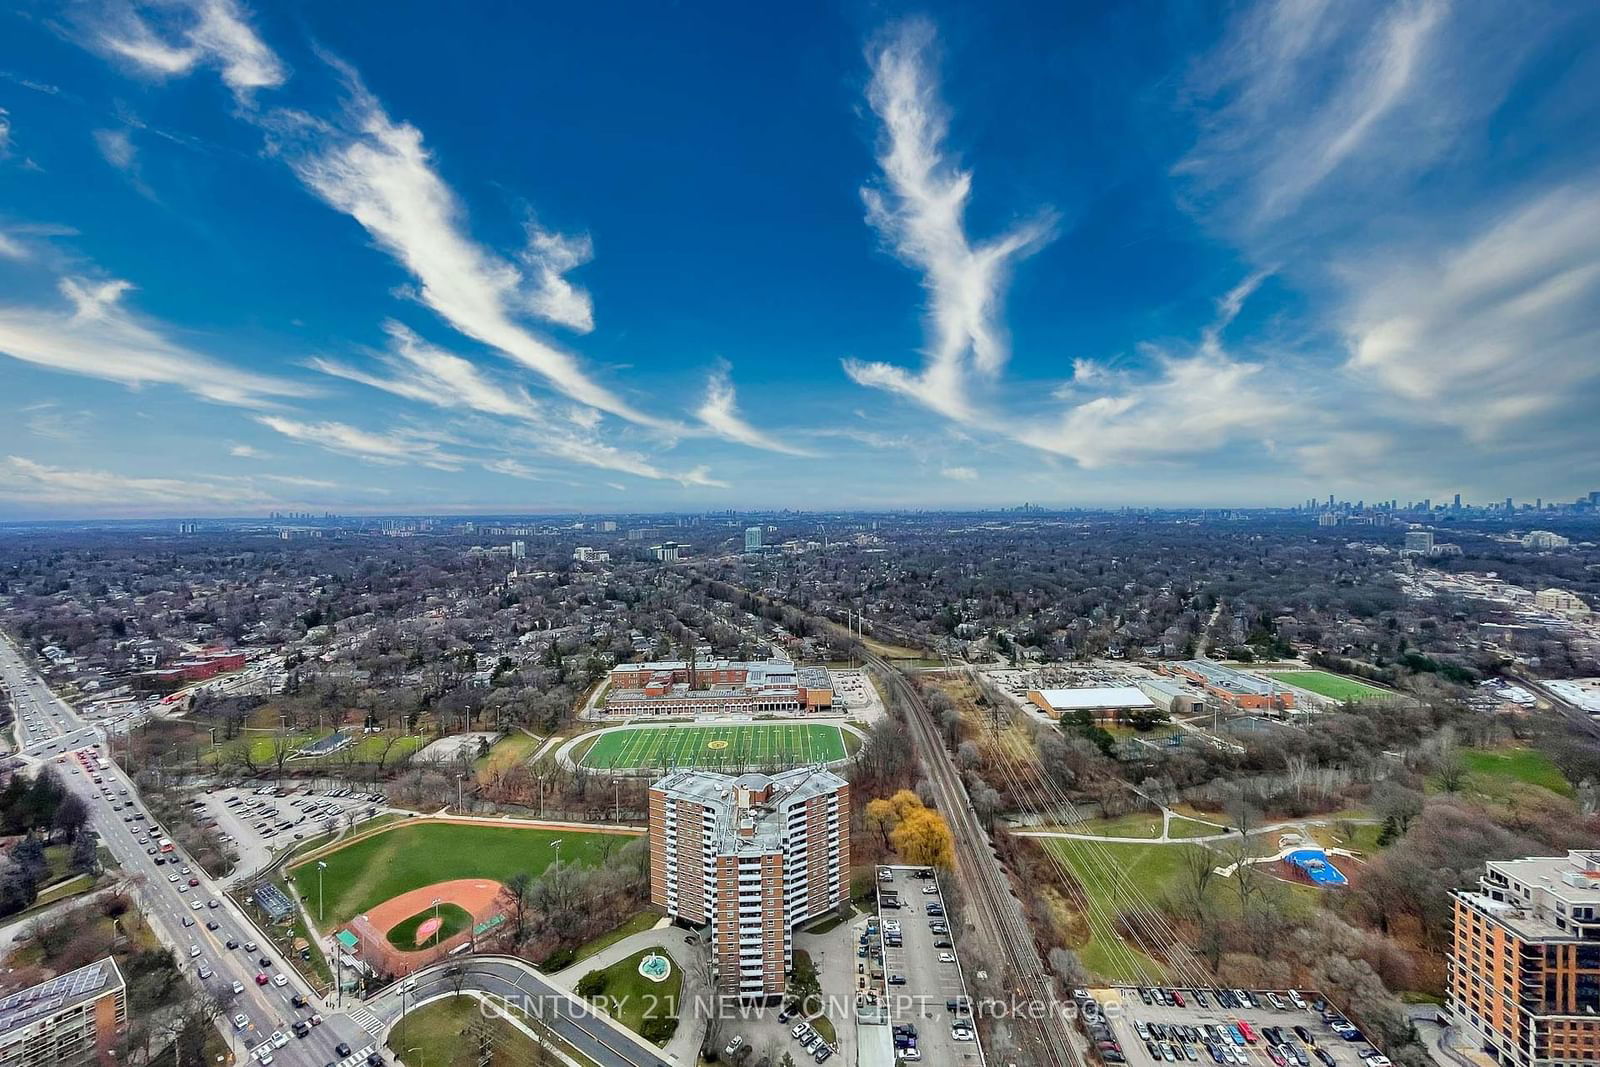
(320, 868)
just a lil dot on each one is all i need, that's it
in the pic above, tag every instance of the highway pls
(516, 984)
(160, 900)
(995, 913)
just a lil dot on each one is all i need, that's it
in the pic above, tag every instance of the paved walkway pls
(1167, 839)
(684, 1047)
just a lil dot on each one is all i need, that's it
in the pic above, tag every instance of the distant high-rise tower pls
(752, 539)
(1457, 504)
(519, 550)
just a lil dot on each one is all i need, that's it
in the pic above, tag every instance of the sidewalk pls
(684, 1047)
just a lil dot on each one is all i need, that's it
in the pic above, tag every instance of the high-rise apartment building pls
(752, 856)
(752, 539)
(519, 550)
(1418, 542)
(1524, 979)
(74, 1018)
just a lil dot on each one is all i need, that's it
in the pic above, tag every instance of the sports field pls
(414, 855)
(1332, 686)
(743, 745)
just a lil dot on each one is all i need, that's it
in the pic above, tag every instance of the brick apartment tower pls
(752, 856)
(1524, 980)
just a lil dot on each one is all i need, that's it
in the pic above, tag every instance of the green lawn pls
(1332, 686)
(632, 999)
(413, 855)
(1112, 873)
(368, 748)
(748, 744)
(512, 749)
(439, 1035)
(1493, 767)
(452, 920)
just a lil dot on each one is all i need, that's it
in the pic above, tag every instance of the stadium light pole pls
(436, 921)
(321, 866)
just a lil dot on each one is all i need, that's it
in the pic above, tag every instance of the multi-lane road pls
(517, 987)
(171, 912)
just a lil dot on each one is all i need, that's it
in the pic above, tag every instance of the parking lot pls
(1171, 1026)
(921, 975)
(259, 820)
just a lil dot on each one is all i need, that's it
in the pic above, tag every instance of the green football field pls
(743, 745)
(1332, 686)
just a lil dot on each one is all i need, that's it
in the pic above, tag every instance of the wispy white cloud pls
(40, 488)
(96, 336)
(427, 374)
(1303, 91)
(117, 148)
(720, 414)
(1493, 330)
(378, 172)
(959, 474)
(242, 451)
(10, 248)
(549, 295)
(373, 446)
(1191, 405)
(424, 372)
(5, 133)
(176, 36)
(919, 209)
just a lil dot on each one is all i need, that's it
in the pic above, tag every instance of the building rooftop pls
(47, 998)
(749, 807)
(1233, 681)
(1100, 696)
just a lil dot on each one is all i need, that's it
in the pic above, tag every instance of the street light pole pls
(320, 868)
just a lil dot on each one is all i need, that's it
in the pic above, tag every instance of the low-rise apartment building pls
(752, 856)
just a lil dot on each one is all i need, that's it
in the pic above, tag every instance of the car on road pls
(946, 957)
(262, 979)
(733, 1046)
(280, 980)
(241, 1021)
(238, 987)
(342, 1049)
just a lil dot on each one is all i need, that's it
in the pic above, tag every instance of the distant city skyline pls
(407, 259)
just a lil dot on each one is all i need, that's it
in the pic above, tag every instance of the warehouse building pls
(1114, 705)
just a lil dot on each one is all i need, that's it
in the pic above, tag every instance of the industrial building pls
(717, 687)
(74, 1018)
(1524, 966)
(1236, 689)
(751, 856)
(1107, 705)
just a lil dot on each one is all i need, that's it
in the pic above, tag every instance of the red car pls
(261, 979)
(194, 881)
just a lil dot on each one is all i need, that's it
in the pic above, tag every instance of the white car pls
(279, 1039)
(909, 1053)
(945, 957)
(929, 890)
(1297, 1000)
(961, 1033)
(194, 950)
(732, 1046)
(280, 980)
(238, 987)
(241, 1021)
(195, 905)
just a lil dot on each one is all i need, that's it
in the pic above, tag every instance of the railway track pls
(995, 912)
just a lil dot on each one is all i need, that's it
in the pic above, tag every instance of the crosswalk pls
(366, 1020)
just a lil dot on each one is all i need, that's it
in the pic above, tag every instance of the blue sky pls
(416, 257)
